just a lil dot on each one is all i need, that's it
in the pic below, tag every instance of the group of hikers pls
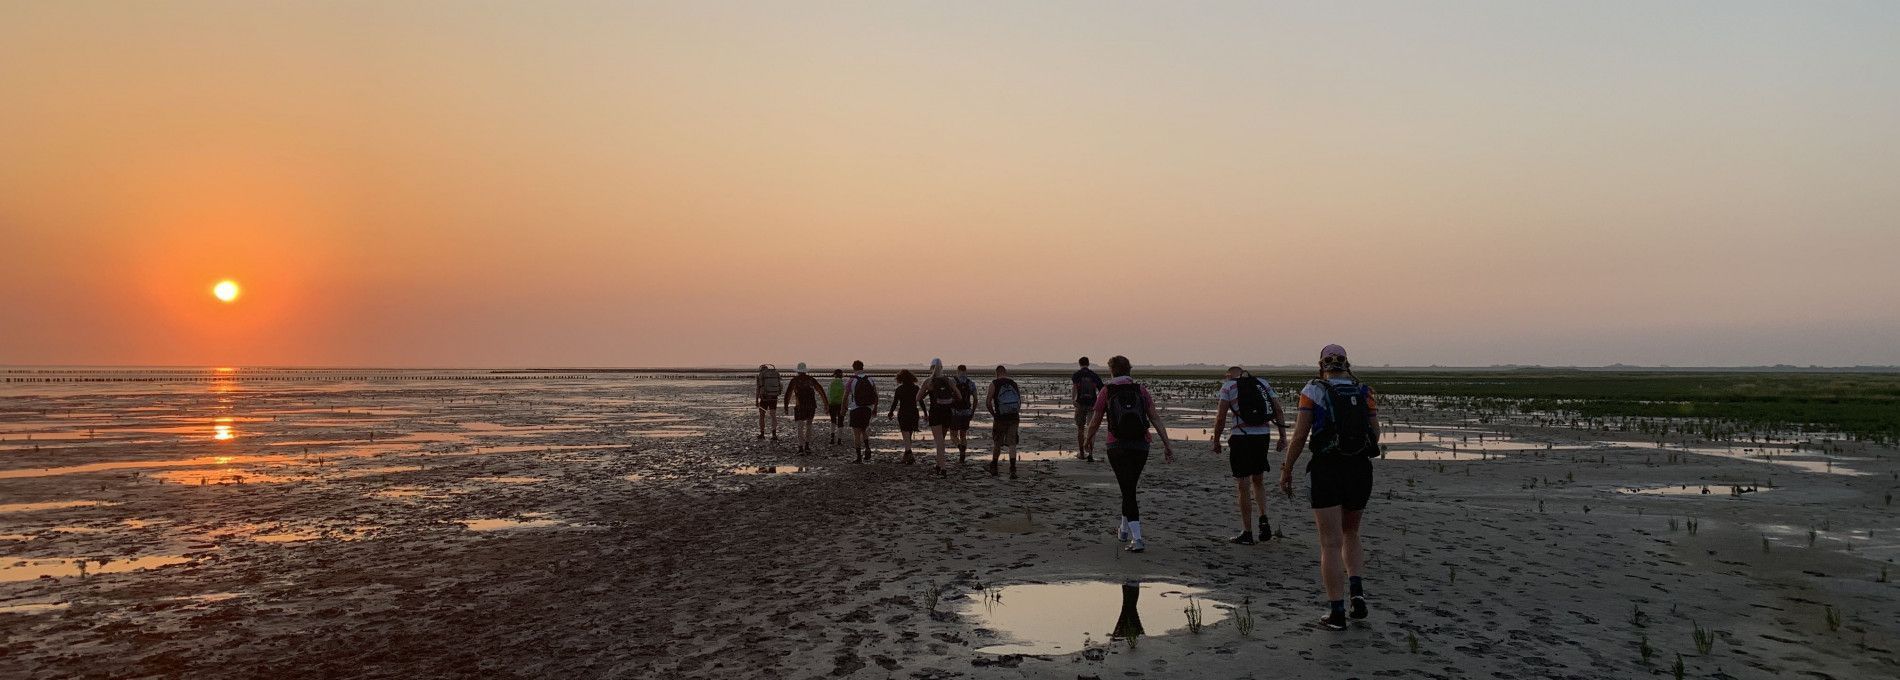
(1337, 419)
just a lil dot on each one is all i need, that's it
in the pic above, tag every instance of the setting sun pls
(225, 290)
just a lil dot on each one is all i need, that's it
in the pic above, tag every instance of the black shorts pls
(939, 415)
(907, 420)
(960, 418)
(806, 411)
(861, 417)
(768, 403)
(1341, 481)
(837, 415)
(1247, 454)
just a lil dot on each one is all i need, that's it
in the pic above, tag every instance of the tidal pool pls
(1068, 617)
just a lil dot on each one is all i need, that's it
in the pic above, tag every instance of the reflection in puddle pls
(27, 570)
(508, 480)
(1064, 618)
(51, 505)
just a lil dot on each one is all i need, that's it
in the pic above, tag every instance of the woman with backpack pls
(904, 408)
(1339, 419)
(1006, 416)
(1130, 411)
(943, 395)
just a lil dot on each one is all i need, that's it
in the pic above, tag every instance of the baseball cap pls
(1332, 351)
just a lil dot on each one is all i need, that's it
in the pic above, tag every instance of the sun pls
(225, 290)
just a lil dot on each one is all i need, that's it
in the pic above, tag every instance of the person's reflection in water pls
(1128, 625)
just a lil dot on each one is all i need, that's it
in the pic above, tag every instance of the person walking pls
(963, 411)
(766, 390)
(1339, 419)
(805, 391)
(904, 409)
(1005, 404)
(861, 395)
(1254, 407)
(1084, 386)
(943, 395)
(1129, 409)
(834, 403)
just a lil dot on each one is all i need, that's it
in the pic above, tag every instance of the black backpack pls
(967, 400)
(1252, 402)
(1127, 414)
(942, 391)
(1348, 430)
(864, 393)
(1085, 397)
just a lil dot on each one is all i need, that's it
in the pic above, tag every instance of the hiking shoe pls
(1332, 621)
(1358, 607)
(993, 469)
(942, 472)
(1137, 545)
(1266, 528)
(1245, 538)
(1012, 470)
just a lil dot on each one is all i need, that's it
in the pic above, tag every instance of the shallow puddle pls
(28, 608)
(202, 461)
(529, 521)
(51, 505)
(1699, 490)
(1065, 618)
(27, 570)
(508, 480)
(768, 470)
(1811, 462)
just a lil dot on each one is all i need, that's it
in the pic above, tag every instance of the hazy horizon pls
(477, 184)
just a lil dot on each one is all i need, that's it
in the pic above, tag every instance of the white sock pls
(1124, 526)
(1134, 530)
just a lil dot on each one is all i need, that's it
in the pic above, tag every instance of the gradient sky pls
(643, 184)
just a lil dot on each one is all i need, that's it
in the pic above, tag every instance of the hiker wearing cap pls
(1254, 407)
(1005, 402)
(805, 390)
(767, 390)
(834, 403)
(1339, 420)
(963, 411)
(1130, 411)
(942, 394)
(1084, 385)
(860, 394)
(904, 409)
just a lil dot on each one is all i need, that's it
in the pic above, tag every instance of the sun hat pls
(936, 363)
(801, 367)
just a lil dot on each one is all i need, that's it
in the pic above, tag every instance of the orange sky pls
(466, 183)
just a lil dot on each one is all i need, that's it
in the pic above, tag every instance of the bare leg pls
(1349, 532)
(1241, 491)
(937, 432)
(1332, 572)
(1260, 493)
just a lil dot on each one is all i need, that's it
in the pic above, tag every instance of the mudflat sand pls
(462, 524)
